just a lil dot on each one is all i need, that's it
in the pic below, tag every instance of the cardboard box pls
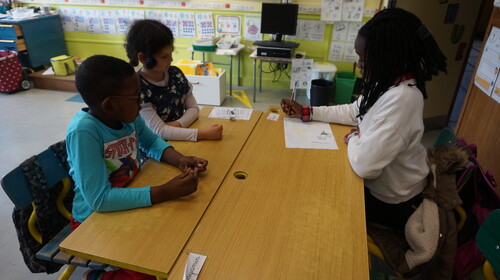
(209, 90)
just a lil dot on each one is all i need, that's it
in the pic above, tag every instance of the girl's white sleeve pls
(191, 107)
(167, 132)
(342, 114)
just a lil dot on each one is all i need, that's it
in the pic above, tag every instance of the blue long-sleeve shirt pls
(103, 160)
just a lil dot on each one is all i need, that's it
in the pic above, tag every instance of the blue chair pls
(17, 187)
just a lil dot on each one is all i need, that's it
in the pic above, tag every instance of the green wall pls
(83, 45)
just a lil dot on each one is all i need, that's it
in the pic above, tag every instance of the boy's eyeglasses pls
(136, 97)
(125, 96)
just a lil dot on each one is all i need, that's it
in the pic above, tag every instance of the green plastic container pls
(344, 86)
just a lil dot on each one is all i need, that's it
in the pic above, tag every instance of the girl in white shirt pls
(169, 105)
(397, 55)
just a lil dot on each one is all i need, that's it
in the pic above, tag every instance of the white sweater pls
(388, 153)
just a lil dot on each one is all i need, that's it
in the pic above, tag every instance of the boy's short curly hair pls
(147, 36)
(100, 76)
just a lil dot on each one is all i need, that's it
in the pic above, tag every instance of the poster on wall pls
(230, 25)
(204, 24)
(79, 24)
(331, 10)
(344, 34)
(107, 21)
(251, 29)
(352, 10)
(186, 25)
(171, 20)
(154, 15)
(122, 20)
(489, 63)
(93, 21)
(313, 30)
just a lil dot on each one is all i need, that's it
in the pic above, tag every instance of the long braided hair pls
(397, 44)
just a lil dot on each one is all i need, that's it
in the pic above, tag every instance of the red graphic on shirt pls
(120, 148)
(124, 174)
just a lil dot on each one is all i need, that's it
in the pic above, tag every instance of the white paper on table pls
(193, 266)
(273, 117)
(49, 71)
(308, 135)
(228, 112)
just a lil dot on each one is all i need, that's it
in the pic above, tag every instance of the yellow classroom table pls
(298, 215)
(149, 240)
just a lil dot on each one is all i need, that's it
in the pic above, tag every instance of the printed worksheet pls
(352, 10)
(230, 113)
(336, 51)
(301, 73)
(313, 30)
(308, 135)
(331, 10)
(340, 30)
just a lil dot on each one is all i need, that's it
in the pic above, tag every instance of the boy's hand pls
(212, 132)
(182, 185)
(291, 108)
(187, 162)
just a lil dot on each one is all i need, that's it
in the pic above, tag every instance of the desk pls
(298, 215)
(263, 59)
(231, 52)
(149, 240)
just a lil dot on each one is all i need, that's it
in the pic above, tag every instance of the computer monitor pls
(279, 19)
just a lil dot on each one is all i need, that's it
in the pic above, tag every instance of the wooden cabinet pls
(480, 116)
(35, 39)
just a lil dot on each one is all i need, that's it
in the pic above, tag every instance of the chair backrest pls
(446, 137)
(488, 238)
(16, 186)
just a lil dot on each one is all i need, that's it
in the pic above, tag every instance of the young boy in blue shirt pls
(103, 144)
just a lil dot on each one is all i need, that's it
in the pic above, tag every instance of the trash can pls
(344, 85)
(324, 71)
(321, 90)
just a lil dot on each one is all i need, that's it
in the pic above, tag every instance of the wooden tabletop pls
(149, 240)
(298, 215)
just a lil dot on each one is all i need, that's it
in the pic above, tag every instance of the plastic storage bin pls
(321, 90)
(344, 85)
(324, 71)
(208, 90)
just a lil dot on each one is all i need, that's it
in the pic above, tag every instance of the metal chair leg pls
(67, 272)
